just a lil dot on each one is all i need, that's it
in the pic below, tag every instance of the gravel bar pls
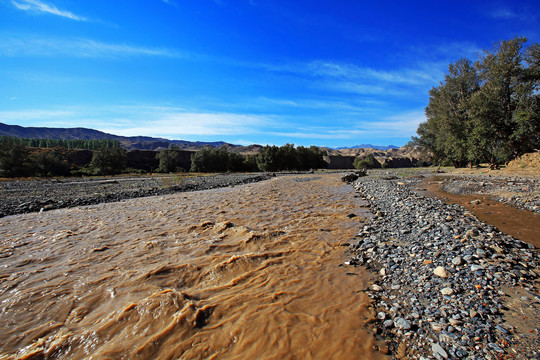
(438, 292)
(23, 196)
(520, 192)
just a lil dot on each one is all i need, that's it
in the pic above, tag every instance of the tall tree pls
(505, 109)
(447, 128)
(167, 161)
(109, 161)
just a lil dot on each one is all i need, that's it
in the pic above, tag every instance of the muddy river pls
(235, 273)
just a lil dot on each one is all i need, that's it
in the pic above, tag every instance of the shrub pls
(366, 162)
(167, 161)
(13, 160)
(109, 161)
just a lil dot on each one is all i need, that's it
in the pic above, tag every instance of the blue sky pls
(326, 73)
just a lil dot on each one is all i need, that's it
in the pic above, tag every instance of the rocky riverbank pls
(447, 285)
(23, 196)
(520, 192)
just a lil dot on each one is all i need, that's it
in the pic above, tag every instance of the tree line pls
(18, 160)
(486, 111)
(94, 144)
(270, 158)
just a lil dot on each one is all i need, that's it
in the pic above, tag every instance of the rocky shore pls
(23, 196)
(446, 285)
(520, 192)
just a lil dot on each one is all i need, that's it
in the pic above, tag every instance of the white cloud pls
(503, 13)
(178, 124)
(145, 120)
(41, 7)
(170, 2)
(402, 123)
(85, 48)
(31, 115)
(175, 122)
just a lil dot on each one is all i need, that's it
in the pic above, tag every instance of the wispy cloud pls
(22, 116)
(406, 122)
(351, 78)
(170, 2)
(184, 124)
(148, 120)
(37, 6)
(82, 48)
(502, 13)
(174, 122)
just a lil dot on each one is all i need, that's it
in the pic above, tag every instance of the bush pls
(209, 160)
(14, 160)
(109, 161)
(287, 157)
(366, 162)
(49, 163)
(167, 161)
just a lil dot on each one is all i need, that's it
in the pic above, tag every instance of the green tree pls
(49, 163)
(13, 159)
(505, 109)
(109, 161)
(267, 159)
(235, 162)
(366, 162)
(210, 160)
(310, 158)
(448, 126)
(287, 157)
(167, 161)
(487, 112)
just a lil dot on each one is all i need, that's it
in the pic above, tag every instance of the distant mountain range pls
(138, 142)
(127, 142)
(369, 146)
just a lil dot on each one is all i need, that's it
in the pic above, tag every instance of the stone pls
(438, 350)
(457, 260)
(388, 323)
(476, 267)
(447, 291)
(376, 287)
(402, 323)
(441, 272)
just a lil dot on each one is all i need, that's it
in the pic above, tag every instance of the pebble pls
(475, 267)
(440, 271)
(422, 243)
(438, 350)
(402, 323)
(447, 291)
(388, 323)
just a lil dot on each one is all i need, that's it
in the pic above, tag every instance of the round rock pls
(441, 272)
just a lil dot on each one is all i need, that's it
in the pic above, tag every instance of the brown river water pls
(250, 272)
